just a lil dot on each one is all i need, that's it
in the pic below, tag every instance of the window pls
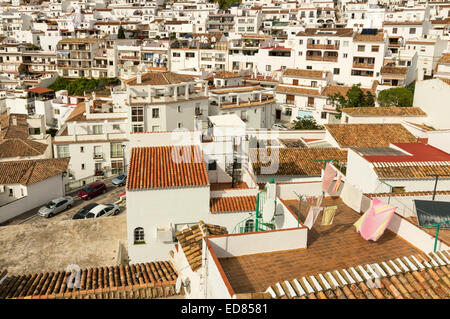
(117, 167)
(249, 226)
(34, 131)
(345, 55)
(137, 114)
(116, 150)
(179, 109)
(336, 71)
(63, 150)
(361, 48)
(313, 84)
(345, 43)
(295, 82)
(288, 111)
(300, 53)
(212, 166)
(190, 54)
(375, 48)
(176, 54)
(81, 149)
(11, 192)
(82, 166)
(155, 128)
(300, 42)
(268, 67)
(180, 125)
(116, 127)
(310, 101)
(155, 113)
(309, 67)
(137, 128)
(139, 235)
(97, 129)
(56, 111)
(412, 30)
(394, 30)
(323, 115)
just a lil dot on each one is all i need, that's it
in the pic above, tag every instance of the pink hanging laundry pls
(328, 177)
(373, 223)
(336, 185)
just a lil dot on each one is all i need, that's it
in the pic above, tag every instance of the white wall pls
(158, 208)
(37, 195)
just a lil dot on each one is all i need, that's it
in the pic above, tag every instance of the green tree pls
(396, 97)
(355, 97)
(307, 123)
(121, 33)
(173, 36)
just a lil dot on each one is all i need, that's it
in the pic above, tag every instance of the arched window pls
(139, 235)
(249, 226)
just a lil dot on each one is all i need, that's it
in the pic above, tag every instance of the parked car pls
(120, 180)
(278, 126)
(81, 214)
(55, 206)
(92, 190)
(103, 210)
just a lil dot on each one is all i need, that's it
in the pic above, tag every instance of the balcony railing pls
(363, 65)
(321, 58)
(98, 156)
(322, 46)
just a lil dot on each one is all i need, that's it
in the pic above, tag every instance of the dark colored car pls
(81, 214)
(92, 190)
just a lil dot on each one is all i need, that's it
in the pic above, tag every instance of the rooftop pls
(232, 204)
(161, 78)
(369, 135)
(393, 70)
(166, 166)
(329, 248)
(305, 73)
(294, 161)
(384, 111)
(32, 171)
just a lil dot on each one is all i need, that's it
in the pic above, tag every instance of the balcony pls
(363, 65)
(322, 58)
(322, 46)
(98, 156)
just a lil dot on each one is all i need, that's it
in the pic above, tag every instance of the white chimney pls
(139, 78)
(14, 120)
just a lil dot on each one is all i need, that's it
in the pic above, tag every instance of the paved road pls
(31, 216)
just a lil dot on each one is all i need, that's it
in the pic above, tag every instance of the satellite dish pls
(178, 285)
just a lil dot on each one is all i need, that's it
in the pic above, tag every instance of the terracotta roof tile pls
(161, 78)
(135, 279)
(416, 280)
(305, 73)
(166, 166)
(17, 147)
(369, 135)
(294, 161)
(393, 70)
(384, 111)
(296, 90)
(190, 240)
(379, 37)
(232, 204)
(403, 170)
(227, 75)
(445, 58)
(335, 89)
(30, 172)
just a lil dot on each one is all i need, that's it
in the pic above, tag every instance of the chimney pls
(139, 78)
(14, 120)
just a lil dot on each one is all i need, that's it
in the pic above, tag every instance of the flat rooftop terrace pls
(329, 248)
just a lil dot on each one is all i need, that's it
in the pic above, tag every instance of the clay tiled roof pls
(39, 90)
(445, 58)
(9, 130)
(17, 147)
(149, 280)
(402, 22)
(30, 172)
(227, 75)
(190, 240)
(232, 204)
(384, 111)
(393, 70)
(166, 166)
(443, 21)
(419, 276)
(369, 135)
(79, 40)
(296, 90)
(161, 78)
(305, 73)
(411, 170)
(78, 113)
(336, 32)
(426, 193)
(294, 161)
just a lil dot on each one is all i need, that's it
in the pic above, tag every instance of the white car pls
(103, 210)
(55, 206)
(278, 126)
